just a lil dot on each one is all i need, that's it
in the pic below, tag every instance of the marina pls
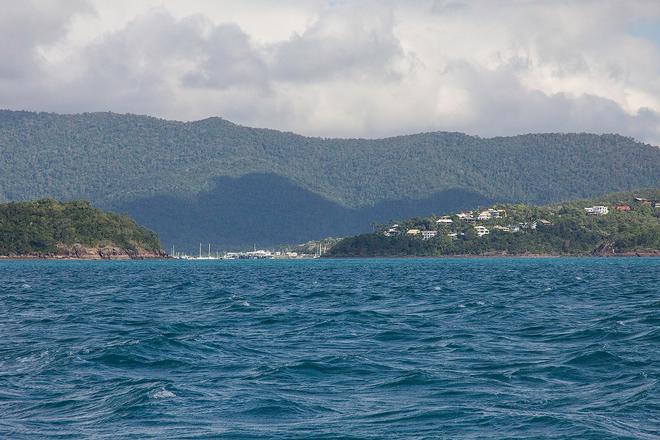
(255, 254)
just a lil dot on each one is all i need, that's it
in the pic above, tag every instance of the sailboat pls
(208, 256)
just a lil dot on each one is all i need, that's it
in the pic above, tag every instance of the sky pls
(361, 68)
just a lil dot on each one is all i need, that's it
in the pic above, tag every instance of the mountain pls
(200, 181)
(48, 228)
(622, 223)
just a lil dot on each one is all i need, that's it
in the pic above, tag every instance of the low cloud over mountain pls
(343, 68)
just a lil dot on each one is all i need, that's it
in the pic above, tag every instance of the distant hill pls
(172, 174)
(47, 228)
(619, 224)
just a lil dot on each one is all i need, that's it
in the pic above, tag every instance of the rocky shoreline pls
(78, 252)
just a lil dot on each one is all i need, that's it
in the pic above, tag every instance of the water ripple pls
(368, 349)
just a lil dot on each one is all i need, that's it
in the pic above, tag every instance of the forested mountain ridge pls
(107, 157)
(127, 163)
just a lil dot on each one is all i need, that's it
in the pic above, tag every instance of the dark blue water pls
(503, 348)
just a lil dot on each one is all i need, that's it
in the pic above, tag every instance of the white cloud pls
(344, 68)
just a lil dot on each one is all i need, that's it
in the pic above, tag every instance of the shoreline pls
(67, 258)
(476, 256)
(156, 257)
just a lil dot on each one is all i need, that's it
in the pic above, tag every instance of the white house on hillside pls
(484, 215)
(597, 210)
(466, 216)
(481, 230)
(491, 213)
(428, 234)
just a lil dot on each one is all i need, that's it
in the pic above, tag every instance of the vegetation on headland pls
(48, 228)
(631, 226)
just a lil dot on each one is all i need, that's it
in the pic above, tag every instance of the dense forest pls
(105, 157)
(48, 227)
(629, 224)
(124, 162)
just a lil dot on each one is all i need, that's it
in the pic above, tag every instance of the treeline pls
(565, 229)
(39, 227)
(110, 158)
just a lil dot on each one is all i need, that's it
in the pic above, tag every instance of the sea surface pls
(331, 349)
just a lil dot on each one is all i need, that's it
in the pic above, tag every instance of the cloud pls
(340, 43)
(229, 59)
(27, 25)
(370, 68)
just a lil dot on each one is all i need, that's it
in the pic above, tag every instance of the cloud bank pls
(343, 68)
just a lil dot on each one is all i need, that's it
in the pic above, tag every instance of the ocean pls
(331, 349)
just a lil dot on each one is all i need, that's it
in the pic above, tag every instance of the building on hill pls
(622, 208)
(466, 216)
(484, 215)
(508, 228)
(527, 225)
(444, 220)
(426, 235)
(489, 214)
(392, 231)
(597, 210)
(481, 230)
(413, 232)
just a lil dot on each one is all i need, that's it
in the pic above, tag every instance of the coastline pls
(91, 253)
(68, 258)
(115, 254)
(645, 254)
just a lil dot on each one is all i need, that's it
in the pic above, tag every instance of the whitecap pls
(25, 286)
(246, 304)
(437, 288)
(163, 394)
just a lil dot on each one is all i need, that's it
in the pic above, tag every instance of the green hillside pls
(46, 227)
(169, 174)
(627, 225)
(108, 157)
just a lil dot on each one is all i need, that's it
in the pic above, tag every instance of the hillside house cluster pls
(474, 217)
(470, 217)
(490, 214)
(622, 207)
